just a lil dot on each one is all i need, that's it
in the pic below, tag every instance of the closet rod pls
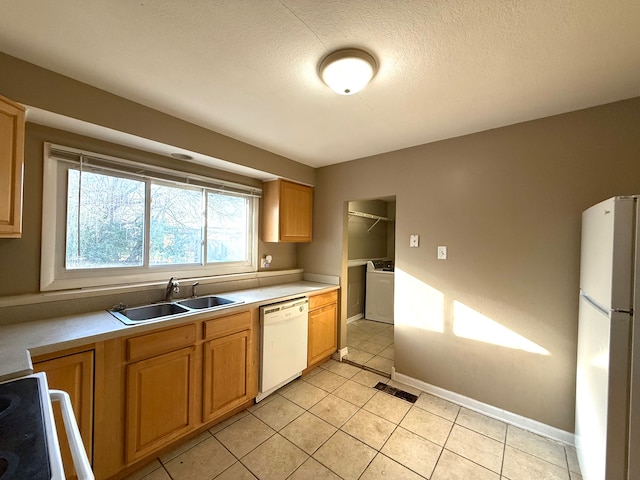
(369, 215)
(377, 218)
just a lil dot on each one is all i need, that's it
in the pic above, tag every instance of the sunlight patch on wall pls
(468, 323)
(417, 304)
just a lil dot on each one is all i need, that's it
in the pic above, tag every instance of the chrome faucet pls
(193, 289)
(173, 286)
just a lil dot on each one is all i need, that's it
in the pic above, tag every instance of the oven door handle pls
(78, 453)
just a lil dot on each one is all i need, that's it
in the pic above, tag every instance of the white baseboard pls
(355, 317)
(340, 354)
(488, 410)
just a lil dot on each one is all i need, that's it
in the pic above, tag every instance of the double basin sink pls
(162, 311)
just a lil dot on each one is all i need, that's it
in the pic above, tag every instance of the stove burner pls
(8, 402)
(8, 464)
(23, 442)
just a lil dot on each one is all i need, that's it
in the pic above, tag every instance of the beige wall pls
(362, 242)
(356, 284)
(21, 256)
(391, 229)
(507, 203)
(37, 87)
(365, 242)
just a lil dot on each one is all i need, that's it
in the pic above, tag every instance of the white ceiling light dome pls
(347, 71)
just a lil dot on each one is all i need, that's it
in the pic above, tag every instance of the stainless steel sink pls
(162, 311)
(149, 312)
(206, 302)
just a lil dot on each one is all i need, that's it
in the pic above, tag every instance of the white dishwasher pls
(283, 347)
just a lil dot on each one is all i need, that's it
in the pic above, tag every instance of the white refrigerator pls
(608, 377)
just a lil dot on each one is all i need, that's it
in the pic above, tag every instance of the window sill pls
(60, 295)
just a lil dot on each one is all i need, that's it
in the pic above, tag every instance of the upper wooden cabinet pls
(11, 167)
(287, 212)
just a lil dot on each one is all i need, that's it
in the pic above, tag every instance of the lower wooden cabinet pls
(226, 383)
(229, 363)
(154, 388)
(72, 373)
(323, 319)
(179, 379)
(160, 401)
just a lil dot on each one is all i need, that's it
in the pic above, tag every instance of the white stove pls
(29, 445)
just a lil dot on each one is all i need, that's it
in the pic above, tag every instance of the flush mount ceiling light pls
(347, 71)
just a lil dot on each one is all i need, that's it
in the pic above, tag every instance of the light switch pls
(442, 252)
(414, 240)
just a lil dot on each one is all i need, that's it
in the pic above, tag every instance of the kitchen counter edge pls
(20, 341)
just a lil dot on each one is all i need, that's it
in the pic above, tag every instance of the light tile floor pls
(332, 424)
(370, 344)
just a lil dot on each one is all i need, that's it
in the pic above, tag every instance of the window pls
(110, 221)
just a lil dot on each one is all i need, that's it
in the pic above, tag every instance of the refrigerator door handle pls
(593, 303)
(599, 307)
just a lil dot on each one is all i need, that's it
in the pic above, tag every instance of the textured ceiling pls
(248, 68)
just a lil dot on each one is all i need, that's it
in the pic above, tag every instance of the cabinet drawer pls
(227, 325)
(158, 343)
(317, 301)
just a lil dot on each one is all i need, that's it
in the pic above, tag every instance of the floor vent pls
(396, 392)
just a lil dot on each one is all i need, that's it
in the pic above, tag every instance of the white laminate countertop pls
(18, 341)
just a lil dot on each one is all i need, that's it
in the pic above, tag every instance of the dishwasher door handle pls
(79, 454)
(278, 320)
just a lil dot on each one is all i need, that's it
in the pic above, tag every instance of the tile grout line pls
(359, 408)
(379, 451)
(330, 437)
(453, 424)
(239, 459)
(444, 447)
(537, 456)
(339, 429)
(504, 455)
(164, 468)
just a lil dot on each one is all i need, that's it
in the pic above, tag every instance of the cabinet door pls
(227, 361)
(296, 206)
(160, 401)
(74, 375)
(11, 166)
(322, 333)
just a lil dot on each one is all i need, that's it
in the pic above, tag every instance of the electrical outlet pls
(442, 252)
(265, 262)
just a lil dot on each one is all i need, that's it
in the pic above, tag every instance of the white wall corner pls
(488, 410)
